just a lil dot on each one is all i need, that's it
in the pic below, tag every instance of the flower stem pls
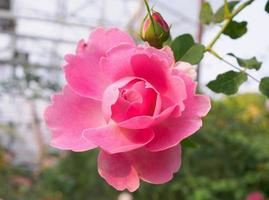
(149, 14)
(227, 22)
(230, 64)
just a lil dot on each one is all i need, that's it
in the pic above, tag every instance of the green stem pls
(149, 13)
(230, 64)
(227, 22)
(211, 44)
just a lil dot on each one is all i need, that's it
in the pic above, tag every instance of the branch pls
(230, 64)
(227, 22)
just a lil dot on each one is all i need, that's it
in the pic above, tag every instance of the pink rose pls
(132, 103)
(255, 196)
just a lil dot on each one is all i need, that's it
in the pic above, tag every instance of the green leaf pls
(236, 29)
(267, 6)
(181, 44)
(228, 83)
(185, 49)
(220, 14)
(206, 13)
(251, 63)
(264, 86)
(188, 143)
(194, 55)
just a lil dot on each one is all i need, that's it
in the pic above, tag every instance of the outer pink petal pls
(68, 116)
(175, 95)
(169, 53)
(83, 72)
(165, 54)
(84, 75)
(117, 63)
(117, 170)
(195, 104)
(156, 167)
(172, 132)
(104, 40)
(114, 139)
(186, 68)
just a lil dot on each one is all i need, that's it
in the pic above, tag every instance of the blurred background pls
(232, 159)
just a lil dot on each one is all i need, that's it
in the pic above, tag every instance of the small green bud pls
(154, 30)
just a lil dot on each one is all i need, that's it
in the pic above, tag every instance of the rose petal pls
(173, 131)
(135, 100)
(114, 139)
(104, 40)
(156, 167)
(84, 75)
(82, 72)
(116, 64)
(111, 95)
(175, 95)
(151, 69)
(186, 68)
(68, 116)
(197, 104)
(144, 121)
(118, 171)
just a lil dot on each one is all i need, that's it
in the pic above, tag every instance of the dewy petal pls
(117, 170)
(83, 72)
(114, 139)
(156, 167)
(68, 116)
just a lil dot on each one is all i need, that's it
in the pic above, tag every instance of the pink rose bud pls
(155, 33)
(255, 196)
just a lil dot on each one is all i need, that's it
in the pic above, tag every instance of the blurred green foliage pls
(232, 160)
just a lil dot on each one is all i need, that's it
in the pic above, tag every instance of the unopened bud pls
(155, 30)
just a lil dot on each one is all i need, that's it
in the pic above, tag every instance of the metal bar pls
(33, 37)
(31, 65)
(9, 15)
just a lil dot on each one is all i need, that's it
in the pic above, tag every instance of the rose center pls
(132, 96)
